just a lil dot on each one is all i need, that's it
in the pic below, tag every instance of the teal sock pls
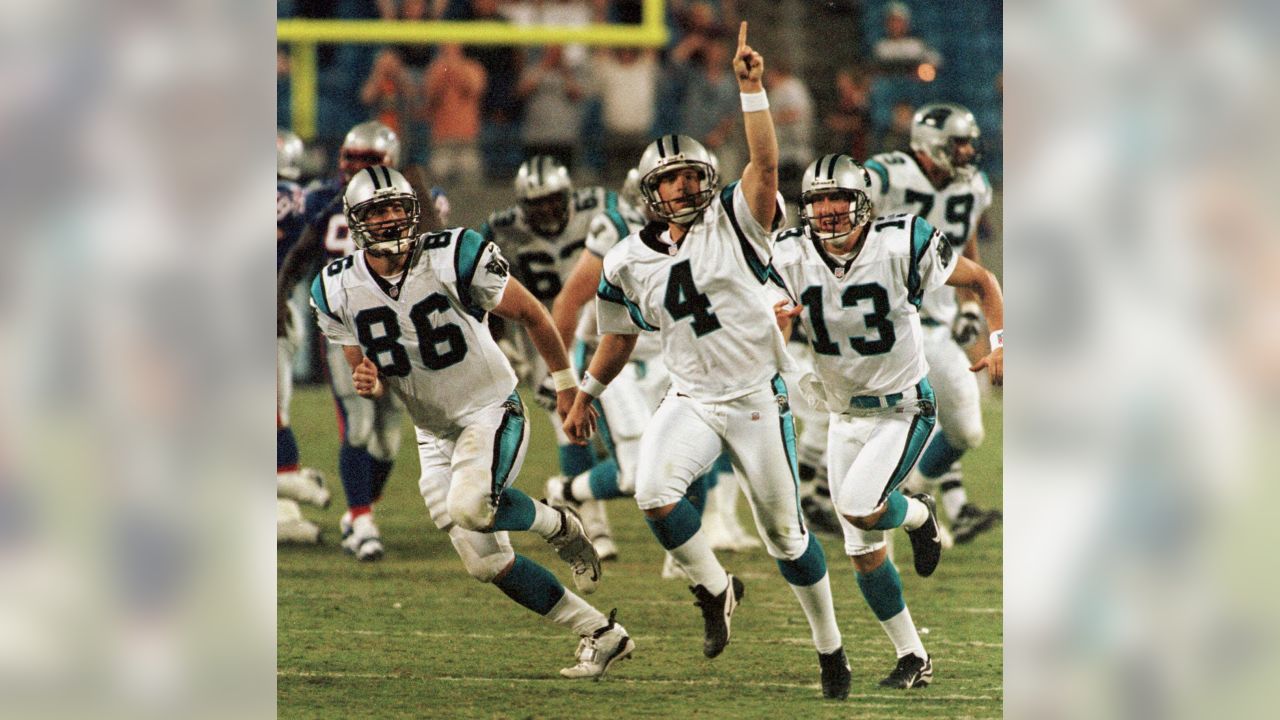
(575, 460)
(515, 511)
(807, 569)
(531, 585)
(697, 494)
(678, 526)
(895, 511)
(604, 480)
(882, 589)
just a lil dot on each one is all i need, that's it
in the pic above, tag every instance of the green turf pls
(413, 636)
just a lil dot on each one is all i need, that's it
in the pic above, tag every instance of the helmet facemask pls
(547, 215)
(682, 209)
(387, 237)
(835, 226)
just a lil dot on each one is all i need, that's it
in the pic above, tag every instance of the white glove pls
(813, 391)
(968, 324)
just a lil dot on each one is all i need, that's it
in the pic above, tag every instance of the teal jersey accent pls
(465, 259)
(612, 293)
(875, 167)
(759, 269)
(507, 443)
(611, 212)
(319, 298)
(921, 231)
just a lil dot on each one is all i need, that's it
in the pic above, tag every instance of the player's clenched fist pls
(366, 380)
(748, 65)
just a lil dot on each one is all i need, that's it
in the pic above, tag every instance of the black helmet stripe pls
(675, 144)
(537, 173)
(817, 168)
(662, 151)
(831, 167)
(377, 185)
(386, 174)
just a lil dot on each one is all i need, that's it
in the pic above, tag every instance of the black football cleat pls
(835, 674)
(926, 540)
(716, 612)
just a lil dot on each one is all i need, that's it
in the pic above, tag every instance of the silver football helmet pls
(288, 154)
(936, 132)
(543, 187)
(370, 191)
(671, 153)
(841, 177)
(367, 144)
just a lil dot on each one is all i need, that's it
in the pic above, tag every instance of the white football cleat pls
(598, 651)
(573, 546)
(360, 537)
(554, 491)
(291, 527)
(306, 486)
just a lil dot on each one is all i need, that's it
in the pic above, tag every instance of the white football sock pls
(580, 487)
(546, 520)
(821, 613)
(575, 613)
(902, 632)
(917, 514)
(699, 563)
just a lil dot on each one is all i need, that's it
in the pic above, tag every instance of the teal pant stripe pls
(515, 511)
(882, 589)
(807, 569)
(678, 526)
(895, 511)
(531, 585)
(787, 424)
(506, 444)
(917, 436)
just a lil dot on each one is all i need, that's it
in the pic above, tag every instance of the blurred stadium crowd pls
(479, 110)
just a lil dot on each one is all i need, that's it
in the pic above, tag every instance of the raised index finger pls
(742, 35)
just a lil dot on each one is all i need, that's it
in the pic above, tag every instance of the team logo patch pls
(784, 405)
(944, 251)
(497, 266)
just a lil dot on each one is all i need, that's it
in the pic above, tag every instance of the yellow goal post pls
(302, 36)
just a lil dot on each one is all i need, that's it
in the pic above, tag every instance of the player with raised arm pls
(939, 180)
(857, 284)
(544, 234)
(408, 312)
(699, 283)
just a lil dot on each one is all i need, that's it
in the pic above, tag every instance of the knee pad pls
(483, 564)
(470, 506)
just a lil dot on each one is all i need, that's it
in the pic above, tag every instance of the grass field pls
(413, 636)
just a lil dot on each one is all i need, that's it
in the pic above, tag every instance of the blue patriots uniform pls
(324, 210)
(289, 217)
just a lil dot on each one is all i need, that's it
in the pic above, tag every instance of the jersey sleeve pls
(607, 228)
(616, 314)
(932, 259)
(329, 321)
(481, 273)
(756, 241)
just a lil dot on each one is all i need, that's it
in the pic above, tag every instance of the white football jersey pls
(430, 343)
(862, 317)
(601, 238)
(706, 297)
(544, 264)
(898, 185)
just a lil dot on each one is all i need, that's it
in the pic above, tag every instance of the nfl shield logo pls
(755, 416)
(839, 273)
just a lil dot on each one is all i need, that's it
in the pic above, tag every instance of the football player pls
(939, 180)
(544, 234)
(408, 313)
(370, 430)
(294, 484)
(857, 284)
(700, 284)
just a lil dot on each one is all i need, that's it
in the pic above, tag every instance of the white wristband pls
(997, 339)
(592, 386)
(564, 379)
(753, 102)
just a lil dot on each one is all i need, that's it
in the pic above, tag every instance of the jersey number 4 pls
(877, 320)
(439, 347)
(683, 300)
